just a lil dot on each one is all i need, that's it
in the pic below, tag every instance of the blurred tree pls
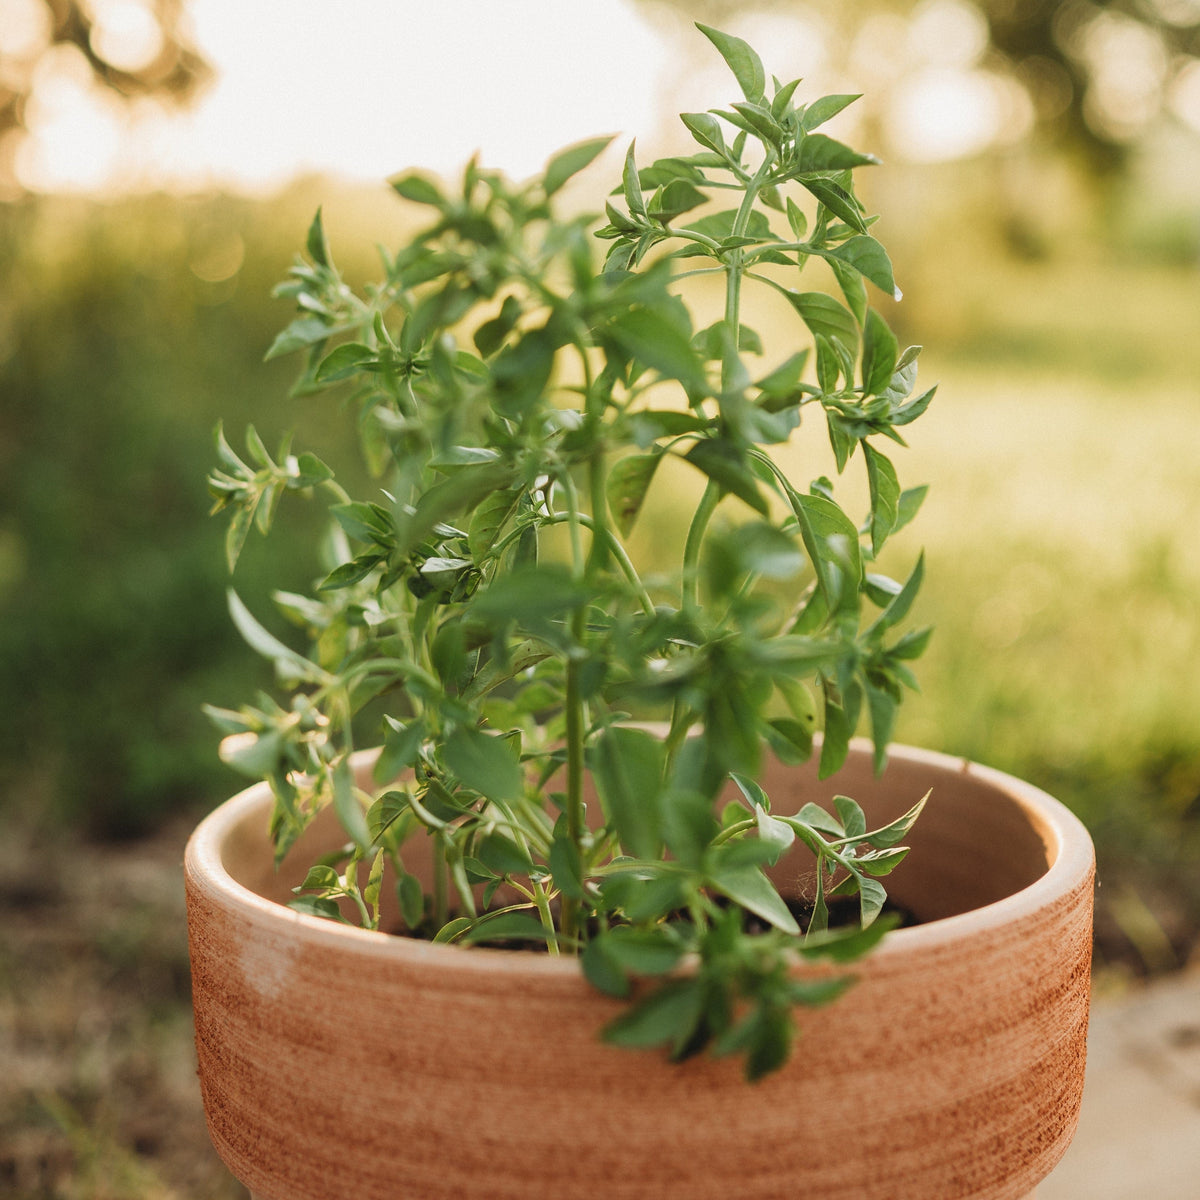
(134, 47)
(1097, 73)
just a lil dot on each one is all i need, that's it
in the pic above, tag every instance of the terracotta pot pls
(338, 1061)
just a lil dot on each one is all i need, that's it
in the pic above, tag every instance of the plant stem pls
(547, 919)
(690, 587)
(569, 919)
(573, 704)
(441, 909)
(733, 303)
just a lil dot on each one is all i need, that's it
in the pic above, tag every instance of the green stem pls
(690, 586)
(598, 553)
(543, 906)
(569, 918)
(574, 704)
(682, 716)
(441, 908)
(735, 267)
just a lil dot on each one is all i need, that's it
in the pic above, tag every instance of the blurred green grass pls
(1063, 565)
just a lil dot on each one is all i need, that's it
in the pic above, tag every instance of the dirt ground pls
(98, 1095)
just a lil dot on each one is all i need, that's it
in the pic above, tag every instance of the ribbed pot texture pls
(336, 1061)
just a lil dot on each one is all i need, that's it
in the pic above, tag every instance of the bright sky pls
(366, 88)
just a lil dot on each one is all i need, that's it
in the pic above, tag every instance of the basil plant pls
(523, 381)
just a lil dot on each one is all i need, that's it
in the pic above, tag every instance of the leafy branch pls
(517, 404)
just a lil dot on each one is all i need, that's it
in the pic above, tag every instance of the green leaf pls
(499, 853)
(745, 64)
(658, 342)
(706, 129)
(820, 111)
(628, 769)
(831, 539)
(254, 755)
(816, 817)
(287, 661)
(643, 951)
(602, 971)
(565, 864)
(909, 504)
(896, 831)
(345, 804)
(723, 463)
(310, 472)
(869, 259)
(912, 644)
(365, 522)
(839, 201)
(642, 899)
(838, 731)
(300, 334)
(350, 573)
(452, 930)
(882, 862)
(764, 549)
(348, 359)
(750, 888)
(674, 199)
(719, 225)
(687, 819)
(851, 815)
(236, 533)
(776, 833)
(485, 763)
(317, 906)
(384, 813)
(848, 944)
(754, 794)
(571, 161)
(871, 898)
(375, 882)
(418, 188)
(781, 102)
(908, 413)
(648, 426)
(411, 899)
(760, 122)
(885, 495)
(669, 1013)
(320, 877)
(317, 244)
(826, 317)
(879, 355)
(488, 519)
(628, 481)
(508, 926)
(850, 280)
(631, 185)
(897, 610)
(531, 596)
(821, 153)
(791, 741)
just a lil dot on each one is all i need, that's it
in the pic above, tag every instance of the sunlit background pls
(159, 163)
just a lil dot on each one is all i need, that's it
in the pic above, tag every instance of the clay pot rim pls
(1068, 848)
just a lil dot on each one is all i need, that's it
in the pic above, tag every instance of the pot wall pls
(952, 1070)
